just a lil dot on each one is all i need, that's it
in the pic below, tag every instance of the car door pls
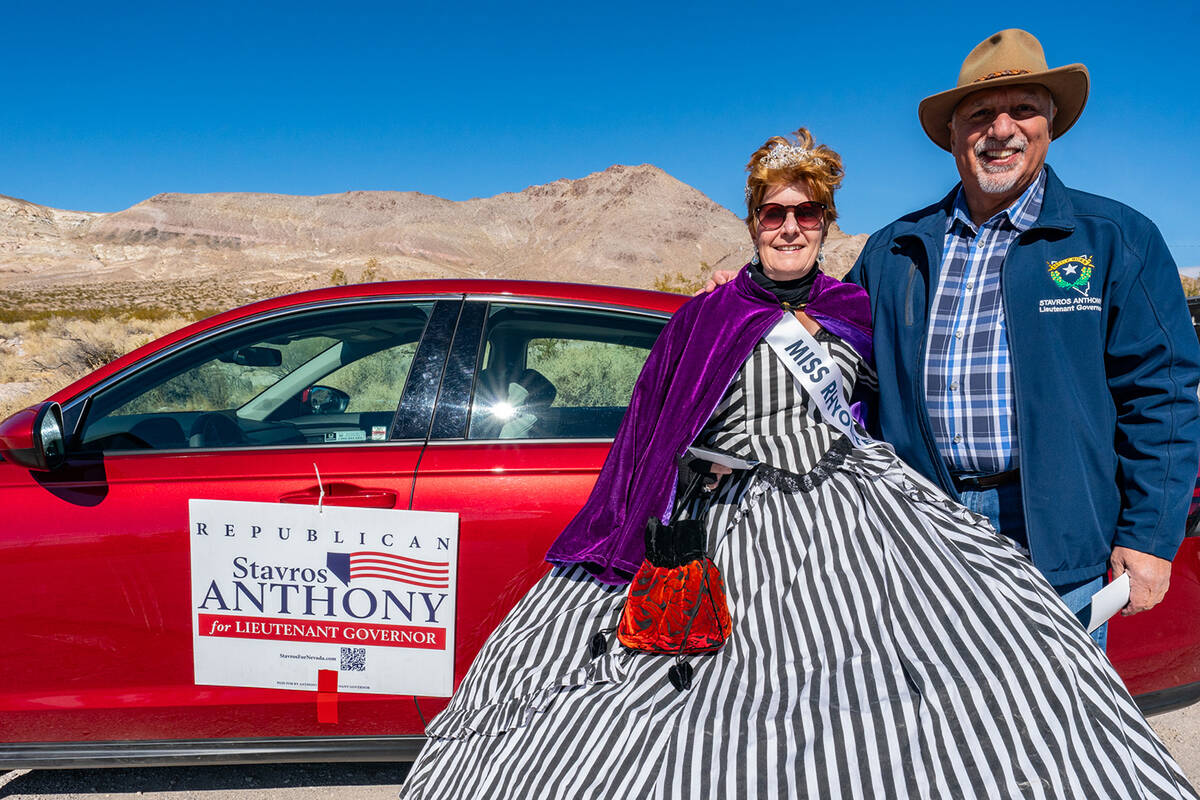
(95, 557)
(526, 416)
(1157, 652)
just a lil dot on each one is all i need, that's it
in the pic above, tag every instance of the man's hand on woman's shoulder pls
(718, 278)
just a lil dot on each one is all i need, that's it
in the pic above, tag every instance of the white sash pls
(817, 374)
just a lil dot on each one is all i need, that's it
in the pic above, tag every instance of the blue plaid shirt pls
(968, 378)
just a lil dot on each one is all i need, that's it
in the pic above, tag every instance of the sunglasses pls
(809, 215)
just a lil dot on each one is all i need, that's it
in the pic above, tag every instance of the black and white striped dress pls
(886, 643)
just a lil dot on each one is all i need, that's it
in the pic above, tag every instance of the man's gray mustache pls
(1014, 142)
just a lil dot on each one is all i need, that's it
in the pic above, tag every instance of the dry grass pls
(141, 300)
(40, 356)
(52, 336)
(678, 283)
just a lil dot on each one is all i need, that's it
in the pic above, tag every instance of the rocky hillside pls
(626, 225)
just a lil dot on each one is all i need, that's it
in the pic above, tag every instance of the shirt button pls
(958, 334)
(970, 285)
(957, 438)
(954, 386)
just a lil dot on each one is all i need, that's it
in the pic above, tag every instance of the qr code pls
(354, 659)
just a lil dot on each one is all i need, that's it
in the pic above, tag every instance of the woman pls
(885, 641)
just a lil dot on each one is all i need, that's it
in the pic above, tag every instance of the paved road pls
(1179, 729)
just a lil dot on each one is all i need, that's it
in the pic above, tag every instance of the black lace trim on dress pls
(790, 482)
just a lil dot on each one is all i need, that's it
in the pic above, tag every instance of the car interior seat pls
(511, 405)
(214, 429)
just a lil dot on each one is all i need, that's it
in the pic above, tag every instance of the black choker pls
(793, 294)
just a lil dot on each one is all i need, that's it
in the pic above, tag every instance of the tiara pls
(782, 156)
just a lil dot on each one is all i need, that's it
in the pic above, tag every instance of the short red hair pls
(818, 167)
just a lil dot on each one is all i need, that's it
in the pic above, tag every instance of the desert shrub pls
(215, 385)
(587, 374)
(678, 283)
(46, 318)
(212, 386)
(71, 348)
(370, 272)
(375, 382)
(39, 356)
(82, 356)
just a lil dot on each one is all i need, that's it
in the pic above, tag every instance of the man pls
(1035, 354)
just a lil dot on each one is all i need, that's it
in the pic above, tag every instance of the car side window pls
(552, 372)
(371, 380)
(326, 376)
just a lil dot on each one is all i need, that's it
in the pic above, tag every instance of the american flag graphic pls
(368, 564)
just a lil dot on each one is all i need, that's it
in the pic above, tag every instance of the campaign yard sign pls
(281, 591)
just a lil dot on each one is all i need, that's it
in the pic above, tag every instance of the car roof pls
(586, 292)
(616, 296)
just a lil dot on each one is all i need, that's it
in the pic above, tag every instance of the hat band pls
(1004, 73)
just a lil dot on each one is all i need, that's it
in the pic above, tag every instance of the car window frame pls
(415, 400)
(454, 402)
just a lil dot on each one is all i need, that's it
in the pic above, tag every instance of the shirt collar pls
(1021, 214)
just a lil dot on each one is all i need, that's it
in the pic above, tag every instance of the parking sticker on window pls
(378, 433)
(281, 591)
(346, 436)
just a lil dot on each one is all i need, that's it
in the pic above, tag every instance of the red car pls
(496, 400)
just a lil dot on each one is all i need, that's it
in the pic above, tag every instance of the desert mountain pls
(625, 225)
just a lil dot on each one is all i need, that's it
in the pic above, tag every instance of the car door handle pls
(343, 494)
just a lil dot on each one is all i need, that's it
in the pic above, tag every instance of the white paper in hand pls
(724, 459)
(1109, 601)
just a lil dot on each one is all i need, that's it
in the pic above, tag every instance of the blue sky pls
(104, 105)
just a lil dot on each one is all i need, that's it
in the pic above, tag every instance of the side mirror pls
(33, 437)
(325, 400)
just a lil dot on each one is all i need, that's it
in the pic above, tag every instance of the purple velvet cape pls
(685, 376)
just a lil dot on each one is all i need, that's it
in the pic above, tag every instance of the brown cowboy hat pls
(1009, 57)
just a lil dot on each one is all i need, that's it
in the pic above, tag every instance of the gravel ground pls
(1179, 729)
(236, 782)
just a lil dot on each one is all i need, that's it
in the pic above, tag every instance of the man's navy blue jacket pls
(1104, 369)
